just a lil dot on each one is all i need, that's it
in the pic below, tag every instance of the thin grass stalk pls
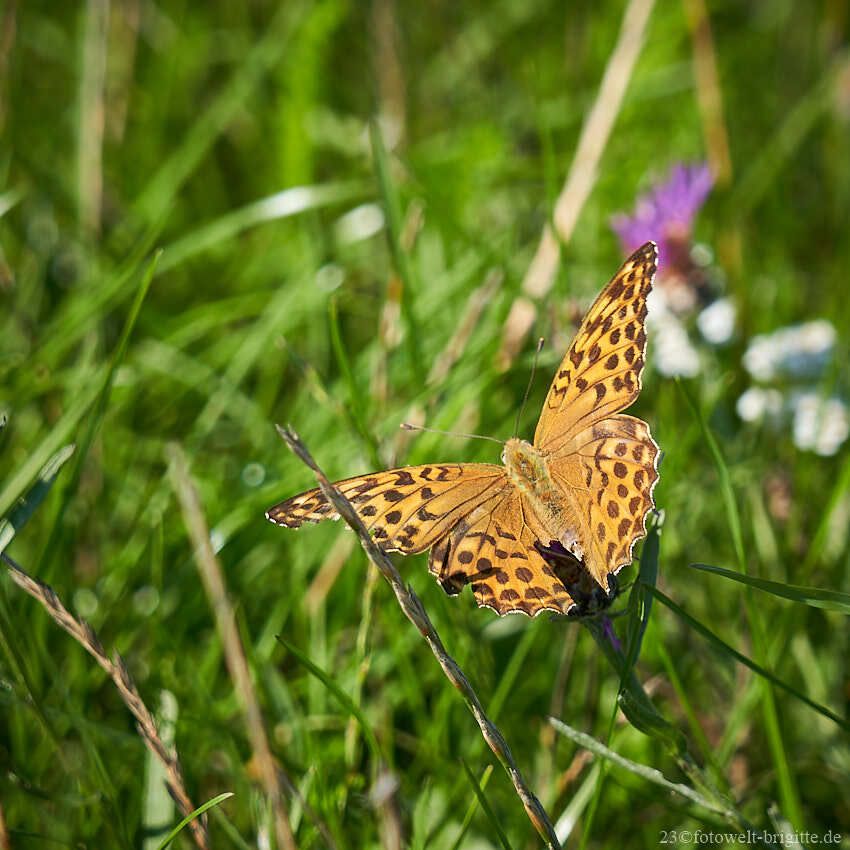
(398, 251)
(117, 670)
(478, 301)
(708, 92)
(5, 843)
(472, 808)
(365, 663)
(234, 653)
(388, 70)
(580, 180)
(92, 117)
(650, 774)
(415, 612)
(309, 811)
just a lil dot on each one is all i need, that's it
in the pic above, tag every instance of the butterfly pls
(564, 510)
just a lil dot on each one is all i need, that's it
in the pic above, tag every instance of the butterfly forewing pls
(405, 509)
(601, 372)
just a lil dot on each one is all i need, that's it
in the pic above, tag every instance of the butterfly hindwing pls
(405, 509)
(492, 549)
(609, 470)
(601, 373)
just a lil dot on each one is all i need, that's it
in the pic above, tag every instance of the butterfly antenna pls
(407, 426)
(530, 383)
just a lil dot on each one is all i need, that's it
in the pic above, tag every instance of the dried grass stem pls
(415, 612)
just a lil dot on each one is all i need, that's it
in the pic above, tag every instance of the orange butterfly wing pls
(605, 463)
(493, 550)
(469, 514)
(609, 472)
(601, 372)
(405, 509)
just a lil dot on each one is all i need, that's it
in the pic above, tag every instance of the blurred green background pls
(308, 277)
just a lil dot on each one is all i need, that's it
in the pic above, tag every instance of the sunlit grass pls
(234, 141)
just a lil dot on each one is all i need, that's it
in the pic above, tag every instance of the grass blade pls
(18, 516)
(354, 408)
(579, 801)
(40, 456)
(640, 602)
(632, 698)
(161, 188)
(485, 805)
(470, 811)
(508, 679)
(706, 749)
(747, 662)
(99, 410)
(784, 143)
(191, 816)
(289, 202)
(392, 207)
(830, 600)
(341, 696)
(727, 493)
(836, 498)
(785, 778)
(648, 773)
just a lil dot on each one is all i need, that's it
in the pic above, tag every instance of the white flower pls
(798, 351)
(674, 354)
(757, 404)
(820, 425)
(717, 322)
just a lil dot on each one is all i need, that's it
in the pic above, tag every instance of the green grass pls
(188, 272)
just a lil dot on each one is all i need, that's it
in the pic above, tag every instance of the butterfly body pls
(527, 468)
(549, 529)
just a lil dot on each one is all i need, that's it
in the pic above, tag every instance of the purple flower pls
(665, 215)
